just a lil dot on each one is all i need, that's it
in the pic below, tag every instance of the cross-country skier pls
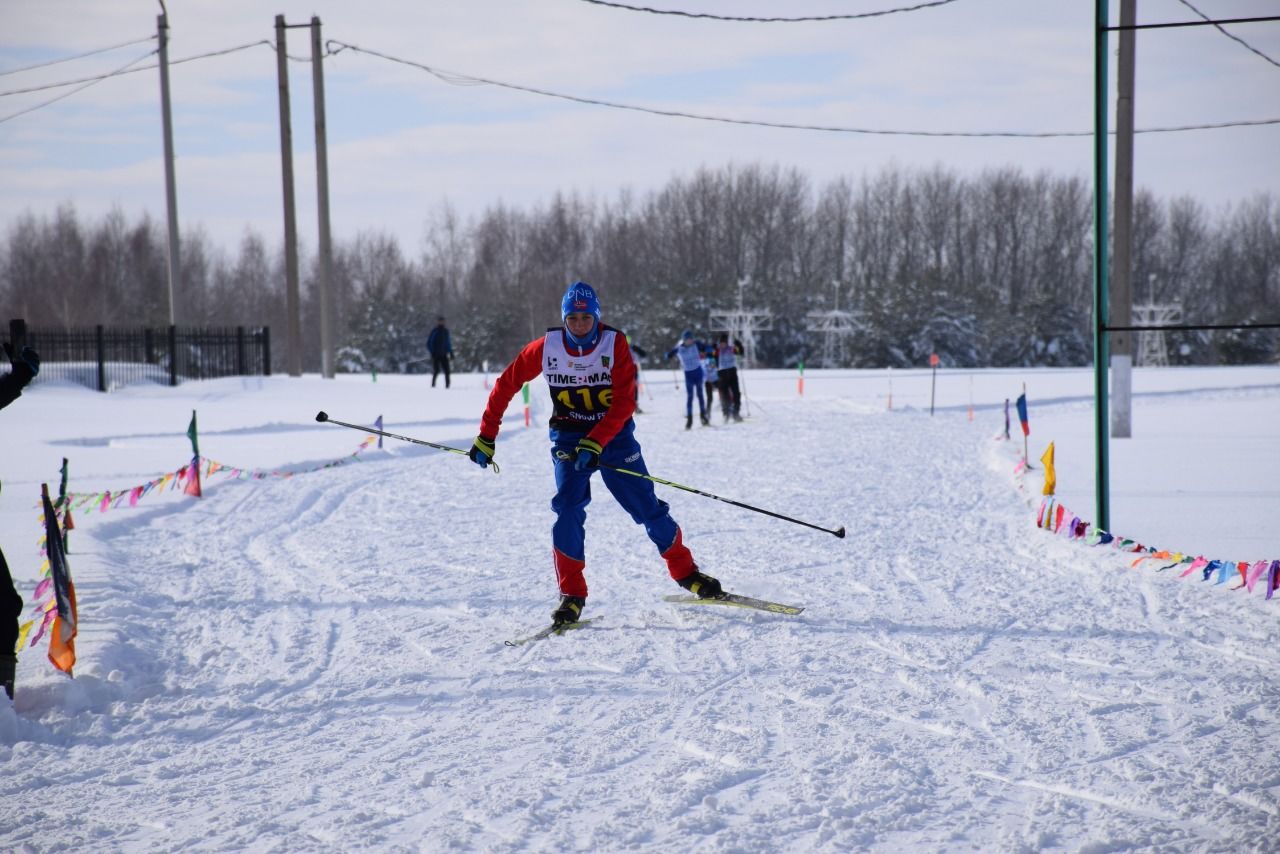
(689, 352)
(592, 380)
(711, 379)
(727, 358)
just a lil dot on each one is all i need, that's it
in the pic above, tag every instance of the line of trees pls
(989, 270)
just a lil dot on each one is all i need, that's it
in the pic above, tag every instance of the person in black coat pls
(25, 366)
(440, 346)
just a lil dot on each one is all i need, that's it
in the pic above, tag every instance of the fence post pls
(149, 346)
(17, 334)
(240, 360)
(102, 357)
(266, 351)
(173, 355)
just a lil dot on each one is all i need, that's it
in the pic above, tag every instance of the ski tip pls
(322, 416)
(839, 532)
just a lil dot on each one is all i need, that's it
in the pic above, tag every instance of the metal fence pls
(107, 359)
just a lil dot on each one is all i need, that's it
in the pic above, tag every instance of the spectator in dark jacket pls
(440, 346)
(25, 366)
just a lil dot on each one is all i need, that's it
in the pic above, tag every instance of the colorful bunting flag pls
(193, 478)
(62, 635)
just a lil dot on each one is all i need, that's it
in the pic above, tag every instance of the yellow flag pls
(1050, 479)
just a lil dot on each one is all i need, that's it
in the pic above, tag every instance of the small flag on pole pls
(1022, 414)
(378, 424)
(193, 471)
(193, 435)
(1050, 477)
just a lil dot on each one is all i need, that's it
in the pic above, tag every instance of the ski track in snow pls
(959, 680)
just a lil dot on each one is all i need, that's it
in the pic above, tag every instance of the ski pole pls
(323, 417)
(839, 532)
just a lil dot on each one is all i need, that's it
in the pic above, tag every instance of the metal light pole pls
(1101, 354)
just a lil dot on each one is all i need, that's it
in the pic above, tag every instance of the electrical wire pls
(121, 70)
(77, 56)
(128, 70)
(1231, 36)
(456, 78)
(704, 16)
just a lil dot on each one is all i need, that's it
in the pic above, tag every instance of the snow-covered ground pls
(316, 663)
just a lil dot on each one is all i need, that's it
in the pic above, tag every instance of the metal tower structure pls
(742, 324)
(835, 326)
(1152, 350)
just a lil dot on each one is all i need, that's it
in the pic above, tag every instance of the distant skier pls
(440, 346)
(711, 380)
(689, 352)
(26, 365)
(727, 359)
(592, 380)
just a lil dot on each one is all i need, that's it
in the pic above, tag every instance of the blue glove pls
(588, 455)
(481, 452)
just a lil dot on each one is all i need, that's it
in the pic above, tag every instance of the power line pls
(129, 70)
(77, 56)
(1235, 38)
(121, 70)
(470, 80)
(710, 17)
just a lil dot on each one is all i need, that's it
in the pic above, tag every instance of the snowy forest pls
(989, 270)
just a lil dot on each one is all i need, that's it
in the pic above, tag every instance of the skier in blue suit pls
(689, 352)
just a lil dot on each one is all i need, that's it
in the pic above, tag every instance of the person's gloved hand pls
(26, 361)
(32, 358)
(588, 455)
(481, 452)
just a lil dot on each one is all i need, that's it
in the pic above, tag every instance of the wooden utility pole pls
(170, 181)
(1122, 254)
(322, 205)
(293, 305)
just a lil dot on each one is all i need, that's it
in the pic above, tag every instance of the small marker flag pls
(193, 435)
(1022, 414)
(1050, 477)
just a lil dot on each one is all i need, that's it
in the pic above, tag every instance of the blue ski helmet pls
(687, 335)
(580, 297)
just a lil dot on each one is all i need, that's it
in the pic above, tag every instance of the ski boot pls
(688, 422)
(569, 610)
(701, 585)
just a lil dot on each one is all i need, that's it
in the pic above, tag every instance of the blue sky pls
(402, 142)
